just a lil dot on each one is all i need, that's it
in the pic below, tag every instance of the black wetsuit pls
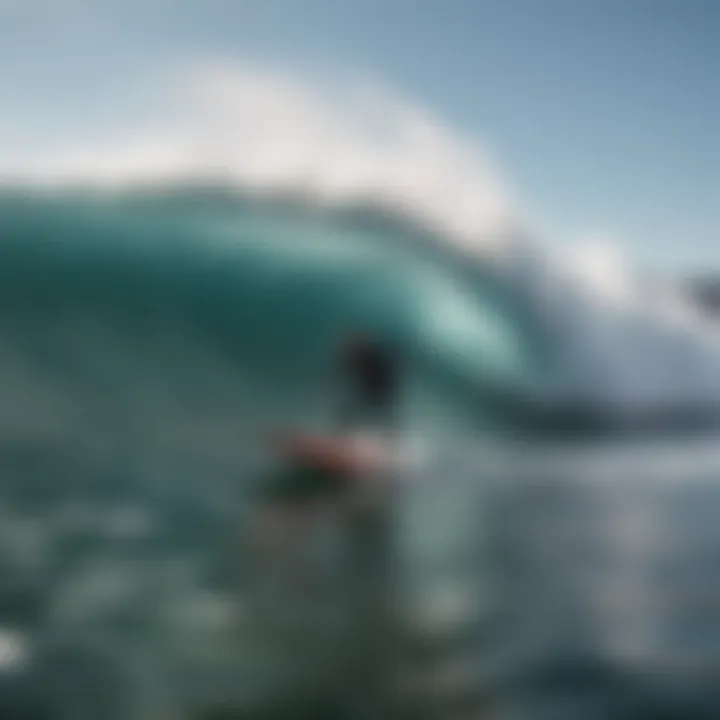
(369, 377)
(369, 388)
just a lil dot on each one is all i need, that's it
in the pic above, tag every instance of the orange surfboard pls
(347, 455)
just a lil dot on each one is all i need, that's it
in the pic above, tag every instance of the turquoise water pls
(148, 341)
(269, 288)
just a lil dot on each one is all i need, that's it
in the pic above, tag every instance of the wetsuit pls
(369, 377)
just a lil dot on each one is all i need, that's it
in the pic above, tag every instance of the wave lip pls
(361, 152)
(344, 145)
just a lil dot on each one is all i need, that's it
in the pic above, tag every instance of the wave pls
(271, 285)
(159, 314)
(148, 340)
(333, 144)
(245, 182)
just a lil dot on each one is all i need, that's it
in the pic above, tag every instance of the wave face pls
(256, 287)
(148, 337)
(152, 330)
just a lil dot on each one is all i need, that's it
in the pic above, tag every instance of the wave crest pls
(334, 145)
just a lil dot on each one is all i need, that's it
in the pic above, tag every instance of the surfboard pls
(347, 455)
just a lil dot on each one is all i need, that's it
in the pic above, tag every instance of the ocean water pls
(150, 338)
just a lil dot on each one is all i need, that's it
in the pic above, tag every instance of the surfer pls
(319, 472)
(369, 384)
(345, 474)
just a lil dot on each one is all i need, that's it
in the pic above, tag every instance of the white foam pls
(334, 144)
(14, 650)
(345, 143)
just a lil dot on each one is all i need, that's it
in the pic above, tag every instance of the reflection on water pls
(544, 583)
(610, 591)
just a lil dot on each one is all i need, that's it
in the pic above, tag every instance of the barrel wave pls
(259, 288)
(149, 338)
(174, 284)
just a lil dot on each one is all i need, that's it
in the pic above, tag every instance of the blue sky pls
(603, 115)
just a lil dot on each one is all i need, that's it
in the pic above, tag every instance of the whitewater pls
(173, 290)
